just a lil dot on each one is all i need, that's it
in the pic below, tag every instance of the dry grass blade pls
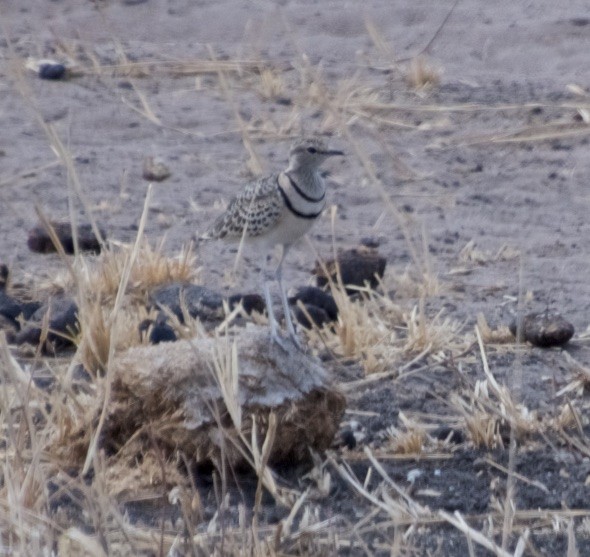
(117, 306)
(74, 541)
(226, 367)
(413, 508)
(538, 133)
(458, 522)
(28, 174)
(572, 546)
(150, 268)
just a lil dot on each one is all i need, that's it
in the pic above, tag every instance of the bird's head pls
(310, 152)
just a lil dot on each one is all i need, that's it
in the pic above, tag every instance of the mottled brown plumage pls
(258, 207)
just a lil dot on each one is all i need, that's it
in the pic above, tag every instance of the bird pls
(278, 209)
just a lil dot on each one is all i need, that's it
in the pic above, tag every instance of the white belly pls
(288, 229)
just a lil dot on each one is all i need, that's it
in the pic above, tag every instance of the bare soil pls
(495, 153)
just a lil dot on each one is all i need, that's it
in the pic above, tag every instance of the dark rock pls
(346, 439)
(11, 308)
(198, 301)
(250, 302)
(9, 327)
(202, 302)
(4, 273)
(52, 71)
(358, 267)
(159, 330)
(39, 240)
(310, 295)
(284, 101)
(63, 323)
(544, 329)
(445, 432)
(318, 316)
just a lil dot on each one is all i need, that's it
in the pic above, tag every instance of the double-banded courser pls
(278, 209)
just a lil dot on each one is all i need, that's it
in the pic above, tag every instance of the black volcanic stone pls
(544, 329)
(63, 322)
(199, 301)
(311, 295)
(39, 240)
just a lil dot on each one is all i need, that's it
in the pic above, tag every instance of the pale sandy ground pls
(442, 169)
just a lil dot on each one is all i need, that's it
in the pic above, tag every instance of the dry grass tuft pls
(366, 329)
(422, 74)
(472, 254)
(150, 268)
(99, 326)
(501, 335)
(431, 335)
(373, 329)
(409, 439)
(271, 85)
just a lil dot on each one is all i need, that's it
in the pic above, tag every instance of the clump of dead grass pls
(98, 286)
(422, 74)
(375, 330)
(100, 326)
(430, 335)
(409, 438)
(150, 268)
(271, 85)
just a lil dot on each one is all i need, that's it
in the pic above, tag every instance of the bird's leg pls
(272, 322)
(286, 308)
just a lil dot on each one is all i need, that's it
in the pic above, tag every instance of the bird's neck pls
(308, 179)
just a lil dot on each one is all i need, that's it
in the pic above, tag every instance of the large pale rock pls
(175, 388)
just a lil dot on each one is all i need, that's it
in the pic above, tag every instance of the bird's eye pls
(312, 150)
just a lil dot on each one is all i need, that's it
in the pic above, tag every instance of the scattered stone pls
(12, 309)
(447, 433)
(544, 329)
(250, 302)
(52, 71)
(313, 296)
(159, 330)
(346, 438)
(39, 240)
(48, 69)
(62, 325)
(175, 391)
(197, 301)
(201, 302)
(155, 170)
(358, 267)
(317, 315)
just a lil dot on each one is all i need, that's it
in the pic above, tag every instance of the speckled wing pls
(258, 208)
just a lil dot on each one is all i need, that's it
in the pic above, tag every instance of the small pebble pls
(445, 432)
(155, 170)
(52, 71)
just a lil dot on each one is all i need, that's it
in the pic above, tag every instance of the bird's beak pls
(334, 153)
